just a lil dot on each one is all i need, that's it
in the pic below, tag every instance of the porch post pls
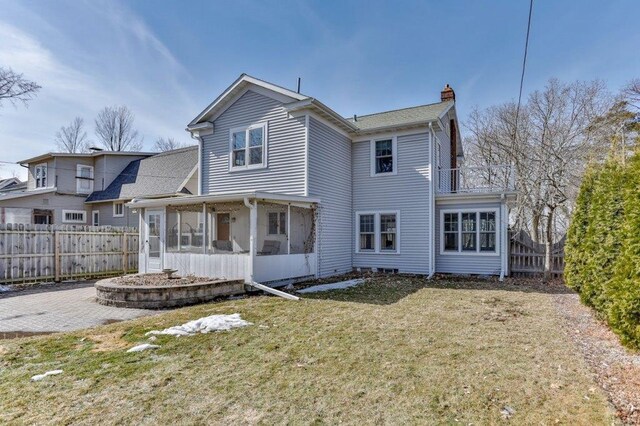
(204, 228)
(253, 237)
(289, 228)
(179, 213)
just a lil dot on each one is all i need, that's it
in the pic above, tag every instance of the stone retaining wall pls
(159, 297)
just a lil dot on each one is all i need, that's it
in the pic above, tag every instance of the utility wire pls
(524, 66)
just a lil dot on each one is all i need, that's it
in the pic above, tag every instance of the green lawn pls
(395, 350)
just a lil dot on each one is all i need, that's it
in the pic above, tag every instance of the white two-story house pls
(289, 189)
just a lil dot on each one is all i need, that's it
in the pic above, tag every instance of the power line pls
(524, 66)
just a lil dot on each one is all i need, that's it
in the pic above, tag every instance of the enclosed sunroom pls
(256, 236)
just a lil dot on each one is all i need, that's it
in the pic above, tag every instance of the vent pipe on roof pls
(95, 149)
(355, 117)
(299, 79)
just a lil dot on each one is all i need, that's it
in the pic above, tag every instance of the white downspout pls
(432, 205)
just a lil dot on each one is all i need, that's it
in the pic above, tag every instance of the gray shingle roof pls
(159, 175)
(422, 113)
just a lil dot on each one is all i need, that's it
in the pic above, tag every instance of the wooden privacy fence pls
(527, 257)
(30, 253)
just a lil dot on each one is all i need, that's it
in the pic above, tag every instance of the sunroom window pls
(277, 223)
(469, 232)
(248, 147)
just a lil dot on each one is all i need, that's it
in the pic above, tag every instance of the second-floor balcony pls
(476, 180)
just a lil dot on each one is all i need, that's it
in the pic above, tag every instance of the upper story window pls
(384, 157)
(469, 232)
(248, 147)
(377, 232)
(84, 179)
(40, 174)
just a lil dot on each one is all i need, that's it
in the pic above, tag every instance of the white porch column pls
(253, 237)
(204, 228)
(179, 229)
(289, 228)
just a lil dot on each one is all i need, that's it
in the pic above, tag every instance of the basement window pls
(74, 216)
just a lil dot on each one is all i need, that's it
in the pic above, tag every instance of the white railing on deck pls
(486, 179)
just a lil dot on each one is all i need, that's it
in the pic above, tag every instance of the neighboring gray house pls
(58, 184)
(289, 189)
(167, 174)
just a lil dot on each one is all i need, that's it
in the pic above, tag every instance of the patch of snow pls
(39, 377)
(204, 325)
(4, 288)
(152, 338)
(143, 347)
(333, 286)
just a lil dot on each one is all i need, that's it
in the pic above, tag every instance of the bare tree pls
(115, 131)
(554, 141)
(15, 88)
(632, 92)
(72, 138)
(167, 144)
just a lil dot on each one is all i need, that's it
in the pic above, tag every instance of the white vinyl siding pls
(330, 180)
(284, 151)
(406, 192)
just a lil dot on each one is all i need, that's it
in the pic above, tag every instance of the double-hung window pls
(84, 179)
(377, 232)
(469, 231)
(118, 209)
(277, 223)
(248, 147)
(384, 157)
(40, 174)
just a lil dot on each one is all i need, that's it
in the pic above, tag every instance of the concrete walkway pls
(70, 307)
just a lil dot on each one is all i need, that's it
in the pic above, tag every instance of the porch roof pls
(223, 198)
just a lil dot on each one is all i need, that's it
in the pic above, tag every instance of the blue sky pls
(167, 60)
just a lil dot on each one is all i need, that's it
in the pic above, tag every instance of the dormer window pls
(248, 146)
(40, 174)
(384, 157)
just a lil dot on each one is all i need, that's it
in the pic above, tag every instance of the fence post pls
(125, 253)
(56, 256)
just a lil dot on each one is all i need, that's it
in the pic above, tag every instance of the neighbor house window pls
(277, 223)
(377, 232)
(248, 147)
(118, 209)
(84, 179)
(74, 216)
(383, 157)
(96, 218)
(469, 232)
(40, 174)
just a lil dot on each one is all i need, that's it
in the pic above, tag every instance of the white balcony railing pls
(486, 179)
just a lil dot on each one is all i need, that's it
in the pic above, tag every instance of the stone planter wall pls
(159, 297)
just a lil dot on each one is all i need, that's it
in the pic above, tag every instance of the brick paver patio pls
(51, 310)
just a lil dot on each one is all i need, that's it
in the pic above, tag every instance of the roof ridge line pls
(397, 109)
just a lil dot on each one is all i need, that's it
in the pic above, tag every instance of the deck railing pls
(486, 179)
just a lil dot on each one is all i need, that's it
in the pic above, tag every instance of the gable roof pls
(10, 184)
(402, 117)
(84, 155)
(237, 87)
(160, 175)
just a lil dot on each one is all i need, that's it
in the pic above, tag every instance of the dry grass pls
(396, 350)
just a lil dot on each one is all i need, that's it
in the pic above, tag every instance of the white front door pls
(154, 243)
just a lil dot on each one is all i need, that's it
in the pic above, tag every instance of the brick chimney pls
(447, 94)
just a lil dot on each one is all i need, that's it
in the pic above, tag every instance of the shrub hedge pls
(602, 254)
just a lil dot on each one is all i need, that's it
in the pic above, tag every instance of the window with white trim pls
(469, 231)
(84, 179)
(40, 175)
(118, 209)
(384, 157)
(377, 232)
(74, 216)
(96, 218)
(248, 146)
(277, 223)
